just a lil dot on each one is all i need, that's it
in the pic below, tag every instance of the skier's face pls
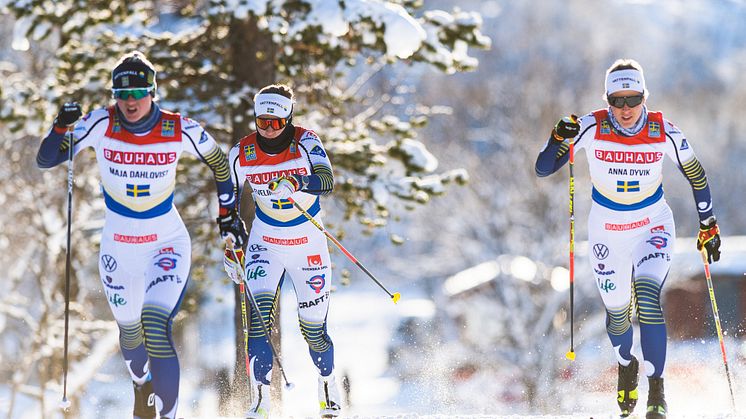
(134, 109)
(272, 126)
(627, 116)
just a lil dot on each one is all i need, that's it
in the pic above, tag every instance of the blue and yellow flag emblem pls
(605, 127)
(654, 129)
(628, 186)
(167, 128)
(281, 204)
(249, 152)
(138, 190)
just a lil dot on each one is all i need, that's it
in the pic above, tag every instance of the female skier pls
(145, 250)
(285, 164)
(630, 227)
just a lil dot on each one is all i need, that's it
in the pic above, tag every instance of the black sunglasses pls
(619, 101)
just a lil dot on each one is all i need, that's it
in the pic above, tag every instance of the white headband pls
(273, 104)
(629, 79)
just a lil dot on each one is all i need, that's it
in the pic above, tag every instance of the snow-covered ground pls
(362, 322)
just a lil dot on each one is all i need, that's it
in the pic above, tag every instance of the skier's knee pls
(156, 322)
(315, 335)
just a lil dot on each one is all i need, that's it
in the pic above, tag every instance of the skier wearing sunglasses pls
(285, 165)
(145, 253)
(631, 232)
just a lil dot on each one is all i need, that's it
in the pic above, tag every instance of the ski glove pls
(232, 227)
(69, 113)
(709, 237)
(284, 186)
(232, 266)
(567, 127)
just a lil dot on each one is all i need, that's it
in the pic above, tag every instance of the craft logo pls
(684, 145)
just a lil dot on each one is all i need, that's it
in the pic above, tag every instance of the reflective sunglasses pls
(275, 123)
(137, 93)
(631, 101)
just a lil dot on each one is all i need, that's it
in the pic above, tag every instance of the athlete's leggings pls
(630, 254)
(301, 252)
(144, 266)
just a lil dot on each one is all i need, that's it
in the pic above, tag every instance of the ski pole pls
(255, 307)
(711, 290)
(65, 404)
(395, 296)
(244, 317)
(571, 353)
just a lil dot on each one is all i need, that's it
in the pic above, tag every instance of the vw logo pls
(109, 263)
(600, 251)
(257, 248)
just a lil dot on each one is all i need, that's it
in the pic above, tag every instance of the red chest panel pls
(166, 130)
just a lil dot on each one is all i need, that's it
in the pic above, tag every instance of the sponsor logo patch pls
(135, 239)
(286, 242)
(627, 226)
(600, 251)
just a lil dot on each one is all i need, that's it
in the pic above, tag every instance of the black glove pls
(709, 237)
(69, 113)
(566, 127)
(232, 226)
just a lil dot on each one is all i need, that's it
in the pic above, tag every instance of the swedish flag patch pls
(137, 191)
(167, 128)
(281, 204)
(605, 127)
(654, 129)
(249, 152)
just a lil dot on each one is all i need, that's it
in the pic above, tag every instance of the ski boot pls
(260, 400)
(144, 401)
(329, 400)
(656, 399)
(626, 387)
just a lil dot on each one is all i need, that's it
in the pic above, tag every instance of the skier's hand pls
(69, 113)
(283, 186)
(232, 227)
(567, 127)
(232, 266)
(709, 237)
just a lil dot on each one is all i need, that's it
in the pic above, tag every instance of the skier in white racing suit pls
(280, 162)
(145, 252)
(631, 232)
